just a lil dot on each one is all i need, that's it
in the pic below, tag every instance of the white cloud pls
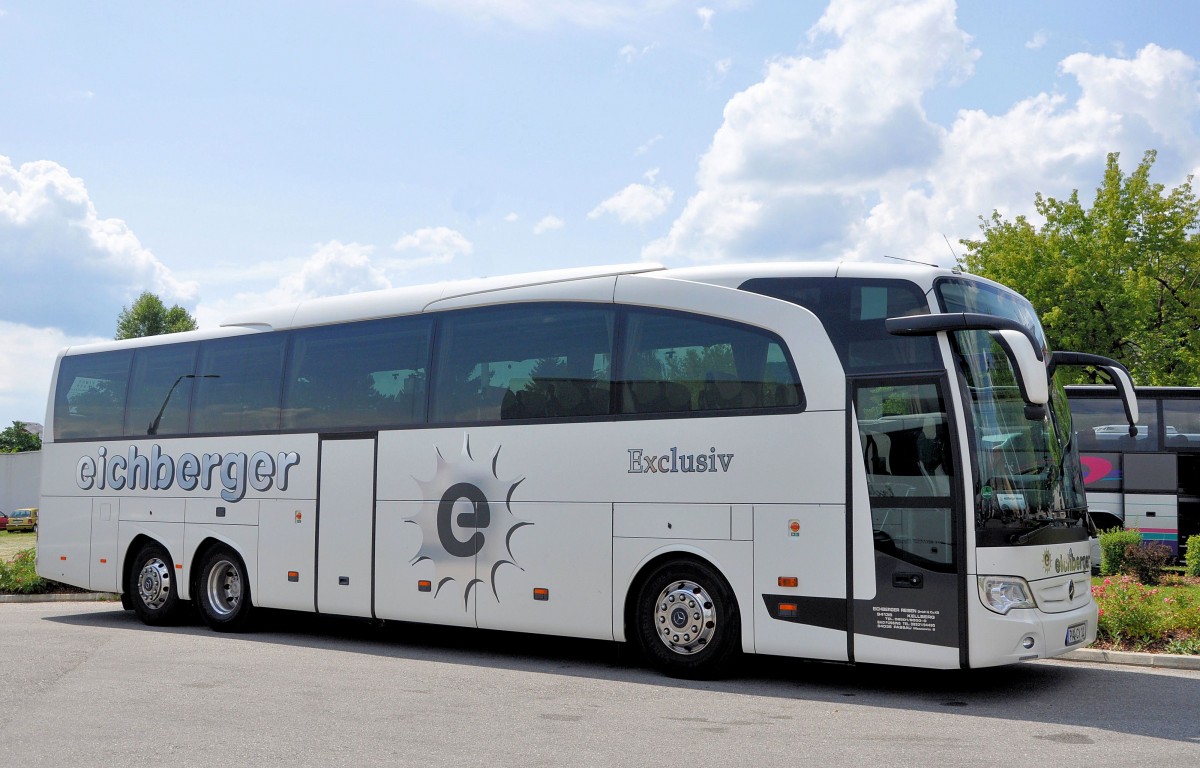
(335, 268)
(63, 265)
(27, 356)
(510, 218)
(547, 224)
(637, 203)
(821, 126)
(833, 156)
(439, 245)
(706, 16)
(1038, 41)
(649, 143)
(631, 53)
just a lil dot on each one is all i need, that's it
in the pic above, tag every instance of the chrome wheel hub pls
(224, 588)
(154, 583)
(684, 617)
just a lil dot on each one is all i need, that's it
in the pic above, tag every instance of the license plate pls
(1076, 633)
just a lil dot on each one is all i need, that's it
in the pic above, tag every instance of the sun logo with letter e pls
(467, 522)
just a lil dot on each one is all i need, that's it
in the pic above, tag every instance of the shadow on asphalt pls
(1062, 694)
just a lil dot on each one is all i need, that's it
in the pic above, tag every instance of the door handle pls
(908, 580)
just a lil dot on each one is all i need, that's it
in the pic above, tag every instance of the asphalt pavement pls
(93, 686)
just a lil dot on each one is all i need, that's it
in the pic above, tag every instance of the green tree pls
(150, 317)
(17, 439)
(1118, 279)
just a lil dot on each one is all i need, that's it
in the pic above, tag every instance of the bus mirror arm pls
(1115, 372)
(1018, 342)
(927, 325)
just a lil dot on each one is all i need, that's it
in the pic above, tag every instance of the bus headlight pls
(1003, 593)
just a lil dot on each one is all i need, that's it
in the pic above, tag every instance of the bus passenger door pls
(907, 608)
(345, 526)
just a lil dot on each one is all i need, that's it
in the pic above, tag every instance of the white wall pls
(20, 480)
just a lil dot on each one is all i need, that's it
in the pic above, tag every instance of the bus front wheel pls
(223, 591)
(154, 591)
(687, 620)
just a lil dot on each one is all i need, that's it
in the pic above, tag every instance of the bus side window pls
(679, 363)
(89, 400)
(532, 361)
(369, 374)
(238, 384)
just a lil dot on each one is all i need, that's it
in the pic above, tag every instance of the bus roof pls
(393, 302)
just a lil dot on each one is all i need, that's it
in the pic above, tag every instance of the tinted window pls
(908, 456)
(852, 311)
(358, 375)
(676, 363)
(237, 385)
(160, 391)
(1100, 425)
(90, 395)
(1181, 421)
(524, 362)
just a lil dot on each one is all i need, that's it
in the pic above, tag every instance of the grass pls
(12, 543)
(1159, 619)
(18, 576)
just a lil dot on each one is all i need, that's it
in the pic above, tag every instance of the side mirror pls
(1018, 343)
(1118, 374)
(1031, 372)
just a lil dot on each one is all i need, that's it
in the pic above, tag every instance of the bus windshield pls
(1028, 484)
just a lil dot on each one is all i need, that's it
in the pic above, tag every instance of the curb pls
(1133, 659)
(61, 597)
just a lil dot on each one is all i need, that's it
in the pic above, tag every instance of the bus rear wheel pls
(223, 591)
(686, 620)
(153, 589)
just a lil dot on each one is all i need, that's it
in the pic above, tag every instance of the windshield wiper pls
(1024, 537)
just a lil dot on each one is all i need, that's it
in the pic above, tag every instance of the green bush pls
(1113, 544)
(1192, 556)
(1145, 562)
(19, 576)
(1129, 613)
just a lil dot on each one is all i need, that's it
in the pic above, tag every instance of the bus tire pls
(223, 591)
(687, 621)
(154, 590)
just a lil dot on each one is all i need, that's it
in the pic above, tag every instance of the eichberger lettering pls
(157, 471)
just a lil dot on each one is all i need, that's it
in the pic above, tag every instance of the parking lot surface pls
(96, 687)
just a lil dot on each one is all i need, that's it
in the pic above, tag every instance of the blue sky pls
(228, 155)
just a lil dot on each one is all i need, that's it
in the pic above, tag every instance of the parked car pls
(22, 520)
(3, 521)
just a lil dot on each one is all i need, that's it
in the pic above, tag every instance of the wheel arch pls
(129, 562)
(207, 545)
(657, 559)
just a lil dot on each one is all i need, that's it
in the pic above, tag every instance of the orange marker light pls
(62, 557)
(789, 581)
(794, 526)
(179, 566)
(103, 560)
(424, 585)
(541, 593)
(787, 609)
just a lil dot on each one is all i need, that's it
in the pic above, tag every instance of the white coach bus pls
(853, 462)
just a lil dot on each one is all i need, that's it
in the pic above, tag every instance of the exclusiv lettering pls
(673, 462)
